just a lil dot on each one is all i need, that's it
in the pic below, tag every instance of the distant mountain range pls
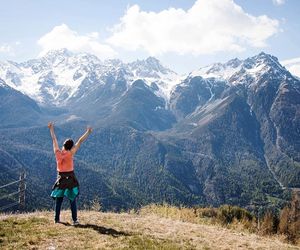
(225, 133)
(62, 77)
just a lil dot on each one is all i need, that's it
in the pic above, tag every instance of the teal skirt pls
(70, 193)
(66, 185)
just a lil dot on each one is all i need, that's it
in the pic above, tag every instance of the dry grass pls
(125, 231)
(206, 215)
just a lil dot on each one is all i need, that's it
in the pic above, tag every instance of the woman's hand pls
(50, 125)
(89, 130)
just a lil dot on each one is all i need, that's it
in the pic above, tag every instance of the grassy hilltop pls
(153, 227)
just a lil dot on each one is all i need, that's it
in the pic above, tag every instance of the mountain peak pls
(234, 62)
(263, 57)
(257, 64)
(113, 62)
(262, 53)
(264, 62)
(149, 67)
(59, 52)
(152, 60)
(66, 57)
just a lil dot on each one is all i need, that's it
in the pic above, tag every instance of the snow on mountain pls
(246, 71)
(4, 85)
(160, 78)
(203, 86)
(219, 70)
(57, 76)
(61, 76)
(46, 78)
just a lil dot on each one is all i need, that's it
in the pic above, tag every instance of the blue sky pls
(183, 34)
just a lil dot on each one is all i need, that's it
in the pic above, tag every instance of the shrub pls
(284, 220)
(227, 213)
(95, 205)
(208, 212)
(269, 223)
(290, 219)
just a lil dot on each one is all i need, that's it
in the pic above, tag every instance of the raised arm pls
(81, 140)
(53, 136)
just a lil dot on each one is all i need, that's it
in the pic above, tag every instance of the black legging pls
(58, 204)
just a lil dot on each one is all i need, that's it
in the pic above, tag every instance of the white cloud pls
(63, 37)
(207, 27)
(5, 48)
(279, 2)
(293, 65)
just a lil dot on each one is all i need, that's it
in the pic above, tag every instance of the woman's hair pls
(68, 144)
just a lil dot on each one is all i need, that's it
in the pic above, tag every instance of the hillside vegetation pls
(152, 227)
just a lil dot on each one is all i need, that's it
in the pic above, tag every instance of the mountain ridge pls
(69, 70)
(46, 73)
(156, 139)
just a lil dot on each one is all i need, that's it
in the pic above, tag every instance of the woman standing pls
(66, 183)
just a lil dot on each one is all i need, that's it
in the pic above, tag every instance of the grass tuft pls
(140, 242)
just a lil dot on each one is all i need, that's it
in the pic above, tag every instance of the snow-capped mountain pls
(246, 71)
(233, 125)
(82, 81)
(160, 78)
(58, 76)
(50, 79)
(62, 77)
(218, 80)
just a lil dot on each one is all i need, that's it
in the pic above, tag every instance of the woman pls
(66, 183)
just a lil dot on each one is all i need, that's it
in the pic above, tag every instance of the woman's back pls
(64, 160)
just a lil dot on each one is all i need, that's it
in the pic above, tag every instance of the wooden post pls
(22, 187)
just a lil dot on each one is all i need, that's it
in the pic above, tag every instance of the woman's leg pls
(74, 209)
(58, 203)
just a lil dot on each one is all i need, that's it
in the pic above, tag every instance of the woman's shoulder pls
(58, 151)
(63, 152)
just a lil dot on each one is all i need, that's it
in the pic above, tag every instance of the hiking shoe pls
(57, 221)
(75, 223)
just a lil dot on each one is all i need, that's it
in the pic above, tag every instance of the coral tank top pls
(64, 161)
